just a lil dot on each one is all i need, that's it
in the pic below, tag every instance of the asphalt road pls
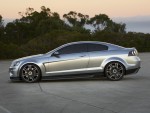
(130, 95)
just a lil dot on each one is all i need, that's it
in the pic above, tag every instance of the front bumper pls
(13, 73)
(15, 78)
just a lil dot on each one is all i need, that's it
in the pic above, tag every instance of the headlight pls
(17, 63)
(133, 53)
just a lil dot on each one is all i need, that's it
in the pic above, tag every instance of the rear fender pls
(113, 59)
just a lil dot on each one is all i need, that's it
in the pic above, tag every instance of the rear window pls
(97, 47)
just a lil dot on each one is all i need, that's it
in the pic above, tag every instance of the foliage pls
(76, 19)
(1, 27)
(39, 32)
(102, 22)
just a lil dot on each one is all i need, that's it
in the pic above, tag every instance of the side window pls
(75, 48)
(97, 47)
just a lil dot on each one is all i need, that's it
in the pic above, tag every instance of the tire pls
(30, 73)
(114, 71)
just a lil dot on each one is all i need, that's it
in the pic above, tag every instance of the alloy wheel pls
(30, 73)
(114, 71)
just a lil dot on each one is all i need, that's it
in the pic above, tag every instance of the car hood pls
(29, 57)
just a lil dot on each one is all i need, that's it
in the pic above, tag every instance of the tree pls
(1, 27)
(99, 22)
(76, 19)
(1, 21)
(102, 22)
(32, 24)
(115, 27)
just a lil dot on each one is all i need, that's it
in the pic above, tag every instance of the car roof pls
(111, 46)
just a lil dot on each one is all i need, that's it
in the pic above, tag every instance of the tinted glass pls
(75, 48)
(97, 47)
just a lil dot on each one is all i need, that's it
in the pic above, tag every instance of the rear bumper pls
(132, 71)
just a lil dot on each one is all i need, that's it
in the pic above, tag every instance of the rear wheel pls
(30, 73)
(114, 71)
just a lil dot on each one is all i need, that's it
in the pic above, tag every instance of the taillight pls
(133, 53)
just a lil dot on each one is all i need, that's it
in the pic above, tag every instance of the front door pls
(71, 59)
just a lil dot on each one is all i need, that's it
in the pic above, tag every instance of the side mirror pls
(56, 54)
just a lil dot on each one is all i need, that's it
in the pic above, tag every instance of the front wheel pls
(30, 73)
(114, 71)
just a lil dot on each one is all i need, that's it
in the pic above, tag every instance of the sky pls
(113, 8)
(134, 13)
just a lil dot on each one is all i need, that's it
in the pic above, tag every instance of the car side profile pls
(77, 60)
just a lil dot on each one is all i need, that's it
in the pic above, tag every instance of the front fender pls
(40, 65)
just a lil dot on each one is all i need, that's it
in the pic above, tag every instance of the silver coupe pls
(77, 60)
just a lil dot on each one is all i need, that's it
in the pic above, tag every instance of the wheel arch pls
(114, 59)
(33, 63)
